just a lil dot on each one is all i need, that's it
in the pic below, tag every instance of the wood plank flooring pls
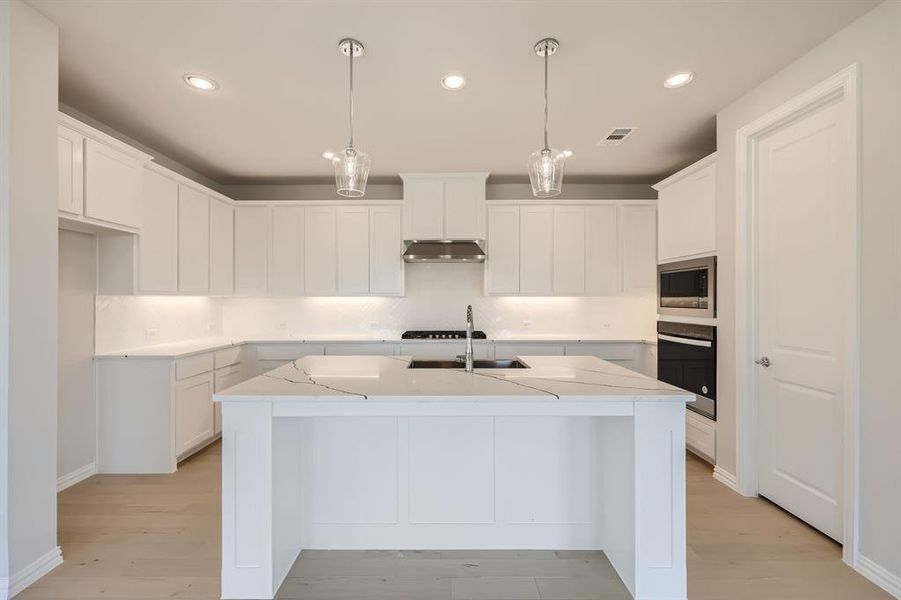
(157, 536)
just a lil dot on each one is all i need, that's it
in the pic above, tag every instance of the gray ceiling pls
(283, 91)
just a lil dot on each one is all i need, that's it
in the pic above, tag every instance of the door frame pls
(843, 86)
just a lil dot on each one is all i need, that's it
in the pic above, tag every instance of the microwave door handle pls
(682, 340)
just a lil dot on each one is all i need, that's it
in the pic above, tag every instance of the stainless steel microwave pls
(687, 288)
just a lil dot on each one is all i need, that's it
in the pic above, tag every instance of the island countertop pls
(389, 378)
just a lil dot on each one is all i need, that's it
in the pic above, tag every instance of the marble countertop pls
(191, 347)
(388, 378)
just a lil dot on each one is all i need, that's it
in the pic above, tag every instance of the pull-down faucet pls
(469, 328)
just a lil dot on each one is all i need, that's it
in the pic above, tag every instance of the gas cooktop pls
(441, 335)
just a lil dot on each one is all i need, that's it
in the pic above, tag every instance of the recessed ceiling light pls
(677, 80)
(453, 82)
(200, 82)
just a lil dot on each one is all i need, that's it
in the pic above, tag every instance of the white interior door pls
(806, 250)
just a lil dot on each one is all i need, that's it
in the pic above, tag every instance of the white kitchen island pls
(357, 452)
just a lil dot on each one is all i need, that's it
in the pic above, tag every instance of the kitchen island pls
(357, 452)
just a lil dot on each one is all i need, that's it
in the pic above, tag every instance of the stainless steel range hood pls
(444, 251)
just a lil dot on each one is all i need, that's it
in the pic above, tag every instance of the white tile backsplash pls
(436, 298)
(135, 321)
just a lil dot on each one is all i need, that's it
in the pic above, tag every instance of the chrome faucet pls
(469, 328)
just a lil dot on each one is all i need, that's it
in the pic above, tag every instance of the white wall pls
(874, 42)
(28, 292)
(436, 298)
(135, 321)
(77, 409)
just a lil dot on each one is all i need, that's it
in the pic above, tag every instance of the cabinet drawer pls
(228, 376)
(616, 352)
(700, 434)
(193, 365)
(289, 351)
(229, 356)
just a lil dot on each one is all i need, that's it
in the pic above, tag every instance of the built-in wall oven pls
(687, 288)
(686, 358)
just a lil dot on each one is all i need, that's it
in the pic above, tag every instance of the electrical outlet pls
(527, 322)
(373, 325)
(149, 334)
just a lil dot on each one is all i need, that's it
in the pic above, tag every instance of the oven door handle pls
(686, 341)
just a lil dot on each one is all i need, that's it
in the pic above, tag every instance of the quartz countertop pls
(388, 378)
(191, 347)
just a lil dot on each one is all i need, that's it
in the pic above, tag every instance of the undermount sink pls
(476, 364)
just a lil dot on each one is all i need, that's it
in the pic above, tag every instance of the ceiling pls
(283, 84)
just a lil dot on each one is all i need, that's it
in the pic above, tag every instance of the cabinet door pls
(193, 241)
(424, 209)
(286, 264)
(251, 249)
(321, 273)
(569, 250)
(70, 156)
(602, 268)
(502, 264)
(158, 240)
(638, 240)
(464, 208)
(687, 215)
(386, 265)
(112, 185)
(222, 247)
(353, 249)
(536, 250)
(194, 418)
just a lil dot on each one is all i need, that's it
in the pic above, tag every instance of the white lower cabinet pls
(445, 350)
(153, 412)
(362, 349)
(700, 435)
(194, 420)
(631, 355)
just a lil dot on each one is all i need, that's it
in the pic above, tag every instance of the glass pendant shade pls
(351, 172)
(546, 172)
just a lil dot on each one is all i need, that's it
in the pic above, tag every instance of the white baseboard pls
(726, 478)
(890, 582)
(76, 476)
(37, 569)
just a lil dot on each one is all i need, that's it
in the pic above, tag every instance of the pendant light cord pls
(546, 52)
(351, 103)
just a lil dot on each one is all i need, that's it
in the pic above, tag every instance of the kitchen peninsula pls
(354, 452)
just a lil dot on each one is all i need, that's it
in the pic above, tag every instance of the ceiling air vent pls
(616, 136)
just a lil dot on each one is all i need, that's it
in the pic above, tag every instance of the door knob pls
(763, 361)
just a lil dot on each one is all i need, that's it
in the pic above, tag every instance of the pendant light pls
(351, 165)
(546, 165)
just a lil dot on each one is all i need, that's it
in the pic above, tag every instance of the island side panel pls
(616, 490)
(660, 541)
(255, 457)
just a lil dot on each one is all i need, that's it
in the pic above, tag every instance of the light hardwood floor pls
(157, 536)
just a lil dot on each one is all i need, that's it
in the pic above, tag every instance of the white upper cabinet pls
(502, 264)
(158, 240)
(536, 250)
(444, 206)
(222, 247)
(321, 239)
(602, 257)
(251, 249)
(386, 265)
(686, 212)
(70, 153)
(193, 241)
(569, 250)
(587, 248)
(353, 249)
(638, 237)
(112, 185)
(286, 263)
